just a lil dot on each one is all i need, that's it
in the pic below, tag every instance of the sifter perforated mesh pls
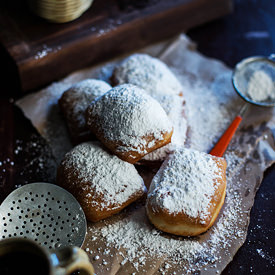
(45, 213)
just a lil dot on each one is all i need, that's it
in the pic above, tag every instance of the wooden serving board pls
(43, 52)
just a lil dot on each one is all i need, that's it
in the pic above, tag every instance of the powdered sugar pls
(174, 107)
(105, 174)
(254, 79)
(156, 79)
(185, 183)
(233, 161)
(210, 108)
(137, 238)
(261, 87)
(135, 233)
(45, 51)
(149, 73)
(126, 114)
(213, 104)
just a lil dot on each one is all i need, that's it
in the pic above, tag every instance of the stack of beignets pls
(136, 121)
(158, 81)
(187, 193)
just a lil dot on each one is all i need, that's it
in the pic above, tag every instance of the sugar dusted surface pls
(148, 73)
(185, 183)
(136, 232)
(135, 239)
(212, 104)
(128, 115)
(104, 173)
(211, 108)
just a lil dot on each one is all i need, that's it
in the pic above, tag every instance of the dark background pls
(231, 39)
(249, 30)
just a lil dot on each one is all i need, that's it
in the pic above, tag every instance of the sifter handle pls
(223, 142)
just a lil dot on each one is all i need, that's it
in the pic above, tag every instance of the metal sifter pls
(254, 80)
(45, 213)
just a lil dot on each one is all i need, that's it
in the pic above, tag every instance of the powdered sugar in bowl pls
(254, 80)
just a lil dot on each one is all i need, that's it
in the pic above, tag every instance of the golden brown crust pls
(132, 156)
(181, 228)
(184, 225)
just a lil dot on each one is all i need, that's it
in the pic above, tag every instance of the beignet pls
(74, 102)
(157, 80)
(102, 183)
(147, 72)
(129, 122)
(187, 193)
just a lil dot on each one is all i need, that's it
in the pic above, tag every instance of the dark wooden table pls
(108, 28)
(250, 30)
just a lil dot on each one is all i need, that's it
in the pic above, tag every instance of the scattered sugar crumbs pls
(139, 242)
(32, 161)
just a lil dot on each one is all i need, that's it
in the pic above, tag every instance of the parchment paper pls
(212, 105)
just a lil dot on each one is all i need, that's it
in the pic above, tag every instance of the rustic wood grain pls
(44, 51)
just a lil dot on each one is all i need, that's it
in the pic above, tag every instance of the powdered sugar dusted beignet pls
(187, 193)
(157, 80)
(102, 183)
(129, 122)
(147, 72)
(174, 106)
(74, 102)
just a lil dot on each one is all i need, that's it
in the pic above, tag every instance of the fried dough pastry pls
(187, 193)
(102, 183)
(74, 102)
(129, 122)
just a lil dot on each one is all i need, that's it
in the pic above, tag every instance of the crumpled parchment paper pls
(212, 104)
